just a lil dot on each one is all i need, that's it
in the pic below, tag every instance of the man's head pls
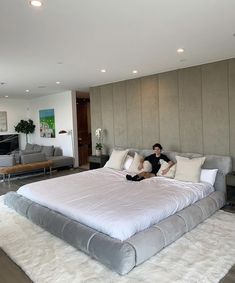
(157, 148)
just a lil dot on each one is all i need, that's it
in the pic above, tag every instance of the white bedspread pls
(104, 200)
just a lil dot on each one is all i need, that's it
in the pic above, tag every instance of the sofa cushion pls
(58, 151)
(37, 148)
(29, 146)
(7, 160)
(34, 157)
(48, 150)
(62, 161)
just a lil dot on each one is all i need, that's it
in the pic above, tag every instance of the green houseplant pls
(25, 127)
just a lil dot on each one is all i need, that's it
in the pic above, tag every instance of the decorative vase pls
(98, 152)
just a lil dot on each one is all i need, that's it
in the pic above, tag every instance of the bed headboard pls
(222, 163)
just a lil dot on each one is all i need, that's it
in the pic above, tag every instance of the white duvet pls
(104, 200)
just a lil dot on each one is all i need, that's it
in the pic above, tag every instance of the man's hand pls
(171, 163)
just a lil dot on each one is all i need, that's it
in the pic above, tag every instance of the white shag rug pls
(203, 255)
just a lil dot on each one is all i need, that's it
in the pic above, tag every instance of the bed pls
(121, 223)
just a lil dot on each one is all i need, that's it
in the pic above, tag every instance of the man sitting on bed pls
(154, 159)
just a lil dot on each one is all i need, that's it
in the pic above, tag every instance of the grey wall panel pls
(120, 114)
(96, 113)
(169, 110)
(134, 119)
(232, 108)
(106, 93)
(187, 110)
(190, 110)
(215, 108)
(150, 113)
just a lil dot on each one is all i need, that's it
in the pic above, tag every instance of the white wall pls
(62, 103)
(17, 109)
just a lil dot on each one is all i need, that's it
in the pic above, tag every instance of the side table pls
(97, 161)
(230, 182)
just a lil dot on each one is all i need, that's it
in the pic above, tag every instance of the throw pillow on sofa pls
(58, 151)
(37, 148)
(29, 147)
(48, 150)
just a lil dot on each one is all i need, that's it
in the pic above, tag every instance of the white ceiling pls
(117, 35)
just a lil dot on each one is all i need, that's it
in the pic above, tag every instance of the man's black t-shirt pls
(155, 161)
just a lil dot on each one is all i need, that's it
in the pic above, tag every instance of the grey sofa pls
(34, 157)
(32, 152)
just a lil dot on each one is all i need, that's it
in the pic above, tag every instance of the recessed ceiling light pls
(6, 96)
(103, 71)
(180, 50)
(134, 71)
(36, 3)
(27, 90)
(58, 83)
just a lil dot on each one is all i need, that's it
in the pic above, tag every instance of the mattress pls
(105, 201)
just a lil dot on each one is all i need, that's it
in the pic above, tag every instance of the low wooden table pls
(23, 168)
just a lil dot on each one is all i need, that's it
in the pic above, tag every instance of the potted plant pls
(25, 127)
(98, 146)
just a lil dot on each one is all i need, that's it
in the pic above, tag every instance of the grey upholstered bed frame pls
(124, 256)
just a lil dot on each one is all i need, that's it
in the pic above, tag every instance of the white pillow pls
(127, 163)
(147, 166)
(135, 163)
(117, 159)
(188, 169)
(164, 165)
(208, 176)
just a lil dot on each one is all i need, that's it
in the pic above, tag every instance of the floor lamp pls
(70, 133)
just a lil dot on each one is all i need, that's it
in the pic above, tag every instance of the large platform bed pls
(119, 252)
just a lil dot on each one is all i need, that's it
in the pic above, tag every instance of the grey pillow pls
(48, 150)
(29, 146)
(58, 151)
(37, 148)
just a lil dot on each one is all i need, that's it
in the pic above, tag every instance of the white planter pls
(98, 152)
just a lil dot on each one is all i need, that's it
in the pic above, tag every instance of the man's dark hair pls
(157, 145)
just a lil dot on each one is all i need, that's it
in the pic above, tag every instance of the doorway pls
(83, 128)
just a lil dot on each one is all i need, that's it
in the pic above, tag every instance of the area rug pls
(202, 255)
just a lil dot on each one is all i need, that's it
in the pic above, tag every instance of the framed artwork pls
(3, 121)
(47, 123)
